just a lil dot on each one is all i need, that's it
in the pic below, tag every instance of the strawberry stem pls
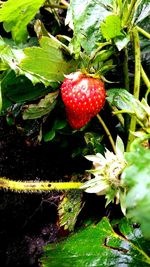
(146, 81)
(140, 30)
(36, 186)
(126, 81)
(119, 115)
(95, 52)
(118, 6)
(125, 69)
(107, 132)
(63, 5)
(136, 90)
(55, 6)
(133, 5)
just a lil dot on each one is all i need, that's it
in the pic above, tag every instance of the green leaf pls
(47, 62)
(135, 237)
(123, 100)
(121, 41)
(19, 89)
(45, 106)
(143, 11)
(85, 18)
(49, 135)
(137, 178)
(99, 246)
(69, 209)
(93, 143)
(10, 54)
(111, 28)
(3, 66)
(119, 147)
(16, 15)
(0, 98)
(102, 56)
(59, 124)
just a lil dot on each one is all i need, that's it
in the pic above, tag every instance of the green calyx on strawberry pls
(83, 97)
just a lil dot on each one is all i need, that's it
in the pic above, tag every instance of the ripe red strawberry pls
(83, 97)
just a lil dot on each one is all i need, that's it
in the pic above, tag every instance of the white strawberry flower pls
(107, 170)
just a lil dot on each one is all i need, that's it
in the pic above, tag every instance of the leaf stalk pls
(137, 73)
(130, 12)
(107, 133)
(146, 81)
(143, 32)
(125, 69)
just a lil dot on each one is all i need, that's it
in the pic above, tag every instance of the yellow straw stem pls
(36, 186)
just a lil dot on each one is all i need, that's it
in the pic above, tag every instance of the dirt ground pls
(27, 221)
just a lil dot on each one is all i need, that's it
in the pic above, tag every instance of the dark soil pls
(28, 221)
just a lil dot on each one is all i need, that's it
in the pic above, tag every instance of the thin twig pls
(107, 132)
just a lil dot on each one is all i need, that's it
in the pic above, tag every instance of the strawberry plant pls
(91, 84)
